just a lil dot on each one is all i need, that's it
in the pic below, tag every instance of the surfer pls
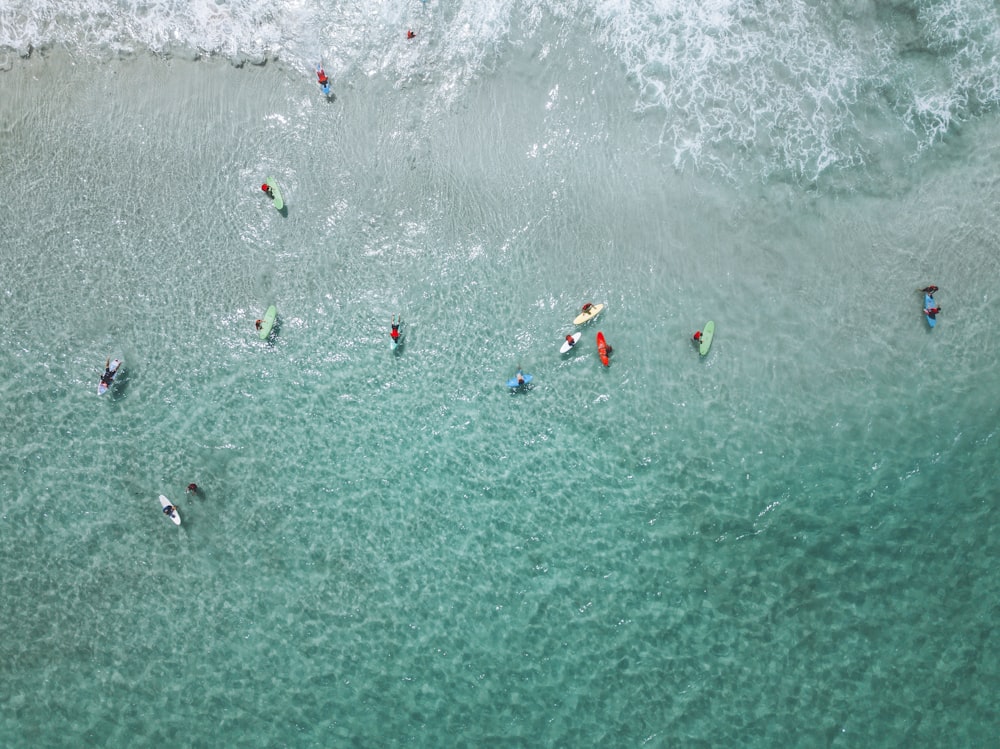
(257, 324)
(108, 377)
(932, 312)
(697, 336)
(570, 342)
(324, 82)
(395, 328)
(410, 34)
(929, 290)
(267, 190)
(168, 510)
(192, 488)
(586, 307)
(520, 378)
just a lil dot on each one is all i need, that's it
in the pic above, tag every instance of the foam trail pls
(766, 87)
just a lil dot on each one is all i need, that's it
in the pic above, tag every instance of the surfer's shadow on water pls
(119, 388)
(270, 342)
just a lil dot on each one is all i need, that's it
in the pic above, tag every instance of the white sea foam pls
(764, 86)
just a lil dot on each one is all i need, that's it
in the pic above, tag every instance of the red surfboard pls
(602, 348)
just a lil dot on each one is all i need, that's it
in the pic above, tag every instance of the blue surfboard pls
(513, 383)
(929, 304)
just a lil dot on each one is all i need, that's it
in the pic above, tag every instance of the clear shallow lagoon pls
(788, 542)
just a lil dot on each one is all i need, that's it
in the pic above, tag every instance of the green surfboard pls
(279, 201)
(706, 338)
(268, 322)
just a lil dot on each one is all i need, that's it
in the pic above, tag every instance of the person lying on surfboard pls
(108, 377)
(168, 510)
(395, 328)
(931, 312)
(570, 342)
(267, 190)
(324, 82)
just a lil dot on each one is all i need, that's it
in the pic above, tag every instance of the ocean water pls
(788, 542)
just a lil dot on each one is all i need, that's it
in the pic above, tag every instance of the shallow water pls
(788, 542)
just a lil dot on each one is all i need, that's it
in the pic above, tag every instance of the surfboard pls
(588, 314)
(602, 349)
(268, 322)
(567, 346)
(113, 368)
(513, 383)
(929, 303)
(165, 503)
(279, 200)
(706, 338)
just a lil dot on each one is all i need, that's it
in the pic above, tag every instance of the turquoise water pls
(787, 542)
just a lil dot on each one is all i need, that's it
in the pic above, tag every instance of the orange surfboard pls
(602, 348)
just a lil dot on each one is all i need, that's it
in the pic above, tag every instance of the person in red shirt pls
(395, 328)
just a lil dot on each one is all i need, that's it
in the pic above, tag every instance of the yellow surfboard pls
(588, 314)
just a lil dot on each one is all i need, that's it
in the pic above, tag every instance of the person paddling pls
(324, 82)
(108, 377)
(570, 342)
(395, 328)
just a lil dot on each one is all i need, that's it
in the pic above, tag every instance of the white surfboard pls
(567, 346)
(165, 503)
